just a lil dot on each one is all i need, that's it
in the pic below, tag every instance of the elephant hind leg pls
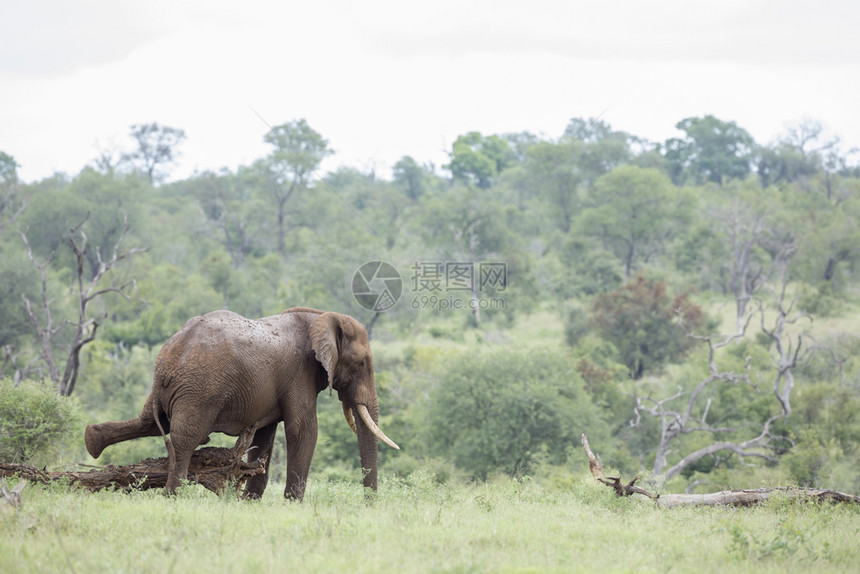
(186, 435)
(100, 436)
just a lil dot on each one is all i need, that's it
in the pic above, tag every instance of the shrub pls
(493, 412)
(34, 421)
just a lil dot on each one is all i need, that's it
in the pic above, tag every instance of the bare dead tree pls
(747, 231)
(110, 157)
(692, 417)
(809, 138)
(85, 327)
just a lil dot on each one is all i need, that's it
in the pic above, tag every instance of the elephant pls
(225, 373)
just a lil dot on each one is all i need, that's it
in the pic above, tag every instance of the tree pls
(299, 150)
(15, 278)
(156, 149)
(585, 268)
(801, 153)
(807, 137)
(711, 151)
(639, 319)
(11, 204)
(8, 169)
(554, 171)
(107, 203)
(519, 143)
(384, 208)
(464, 228)
(493, 412)
(635, 211)
(784, 163)
(411, 177)
(476, 159)
(85, 326)
(110, 158)
(750, 242)
(603, 148)
(758, 435)
(228, 203)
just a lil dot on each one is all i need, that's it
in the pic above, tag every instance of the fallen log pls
(723, 498)
(753, 497)
(211, 467)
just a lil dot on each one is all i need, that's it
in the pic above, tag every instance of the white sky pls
(384, 79)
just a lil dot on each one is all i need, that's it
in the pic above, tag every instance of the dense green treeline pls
(690, 304)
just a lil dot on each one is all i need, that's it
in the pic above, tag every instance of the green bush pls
(503, 412)
(35, 422)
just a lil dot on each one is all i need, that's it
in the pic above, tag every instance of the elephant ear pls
(324, 333)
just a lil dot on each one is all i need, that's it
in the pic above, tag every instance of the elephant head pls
(342, 347)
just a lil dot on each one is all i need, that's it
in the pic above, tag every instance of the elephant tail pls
(156, 401)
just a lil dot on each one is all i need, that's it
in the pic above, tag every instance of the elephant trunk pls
(367, 443)
(368, 433)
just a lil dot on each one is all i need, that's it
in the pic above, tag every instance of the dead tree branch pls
(85, 327)
(678, 422)
(722, 498)
(11, 498)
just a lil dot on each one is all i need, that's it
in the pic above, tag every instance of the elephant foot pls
(94, 442)
(172, 484)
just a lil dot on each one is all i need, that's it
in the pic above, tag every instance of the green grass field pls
(417, 525)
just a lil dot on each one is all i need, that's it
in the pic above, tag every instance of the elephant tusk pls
(350, 420)
(368, 420)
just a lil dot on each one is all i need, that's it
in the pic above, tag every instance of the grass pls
(417, 525)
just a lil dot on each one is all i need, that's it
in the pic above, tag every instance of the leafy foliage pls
(640, 320)
(35, 422)
(711, 151)
(492, 413)
(636, 212)
(476, 159)
(157, 147)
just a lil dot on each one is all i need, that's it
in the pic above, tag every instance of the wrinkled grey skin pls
(224, 373)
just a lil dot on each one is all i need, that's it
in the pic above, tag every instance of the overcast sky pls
(381, 80)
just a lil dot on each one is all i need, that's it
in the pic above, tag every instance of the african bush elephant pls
(224, 373)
